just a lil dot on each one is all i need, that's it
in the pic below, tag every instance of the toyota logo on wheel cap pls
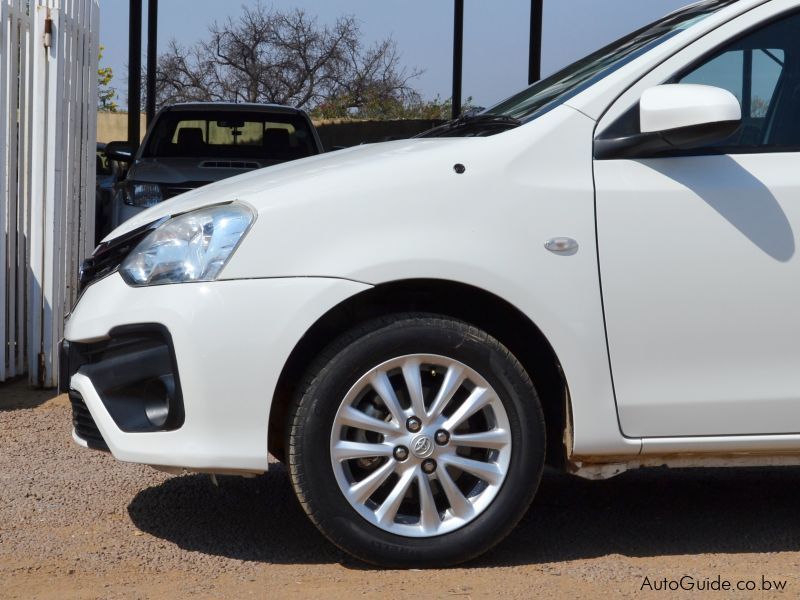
(422, 446)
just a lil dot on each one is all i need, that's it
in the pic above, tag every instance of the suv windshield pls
(559, 87)
(230, 134)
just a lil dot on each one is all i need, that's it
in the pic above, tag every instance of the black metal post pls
(134, 71)
(152, 58)
(535, 55)
(458, 51)
(747, 78)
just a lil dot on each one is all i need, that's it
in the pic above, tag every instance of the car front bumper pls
(183, 376)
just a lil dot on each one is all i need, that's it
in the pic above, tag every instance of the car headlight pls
(194, 246)
(143, 195)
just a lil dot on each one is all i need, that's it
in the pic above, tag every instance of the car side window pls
(762, 69)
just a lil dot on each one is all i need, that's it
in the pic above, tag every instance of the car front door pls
(699, 261)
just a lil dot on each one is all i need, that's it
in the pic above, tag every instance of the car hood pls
(308, 178)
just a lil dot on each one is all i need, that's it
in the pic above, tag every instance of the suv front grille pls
(171, 192)
(176, 189)
(84, 424)
(229, 164)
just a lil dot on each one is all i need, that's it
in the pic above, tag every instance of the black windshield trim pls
(567, 96)
(679, 17)
(477, 121)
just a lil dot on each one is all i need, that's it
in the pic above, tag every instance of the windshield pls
(230, 135)
(548, 93)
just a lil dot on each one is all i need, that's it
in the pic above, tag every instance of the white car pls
(597, 274)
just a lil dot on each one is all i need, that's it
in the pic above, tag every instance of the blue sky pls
(495, 34)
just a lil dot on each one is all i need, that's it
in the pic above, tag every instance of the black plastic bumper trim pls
(84, 425)
(134, 372)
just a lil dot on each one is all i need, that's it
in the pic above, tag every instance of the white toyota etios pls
(598, 273)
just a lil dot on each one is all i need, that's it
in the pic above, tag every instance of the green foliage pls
(759, 108)
(380, 107)
(106, 94)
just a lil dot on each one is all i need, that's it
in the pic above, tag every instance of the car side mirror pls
(121, 151)
(673, 117)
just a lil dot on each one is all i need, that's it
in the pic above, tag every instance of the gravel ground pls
(78, 524)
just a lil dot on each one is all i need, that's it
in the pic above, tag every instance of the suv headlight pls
(191, 247)
(143, 195)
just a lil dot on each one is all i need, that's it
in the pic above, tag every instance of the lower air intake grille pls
(84, 424)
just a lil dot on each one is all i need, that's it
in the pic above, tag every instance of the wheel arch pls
(474, 305)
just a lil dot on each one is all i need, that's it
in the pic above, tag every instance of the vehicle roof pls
(235, 107)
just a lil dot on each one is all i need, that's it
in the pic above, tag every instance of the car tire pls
(415, 517)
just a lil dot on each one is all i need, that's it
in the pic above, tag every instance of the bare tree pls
(266, 55)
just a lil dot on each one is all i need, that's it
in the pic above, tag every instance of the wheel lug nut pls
(401, 453)
(442, 437)
(413, 424)
(428, 466)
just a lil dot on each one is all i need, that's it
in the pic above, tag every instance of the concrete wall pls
(114, 126)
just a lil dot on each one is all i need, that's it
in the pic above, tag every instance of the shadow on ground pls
(247, 519)
(643, 514)
(17, 394)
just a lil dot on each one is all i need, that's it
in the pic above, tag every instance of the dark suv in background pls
(108, 172)
(191, 145)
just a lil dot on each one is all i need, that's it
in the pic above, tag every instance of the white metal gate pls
(48, 90)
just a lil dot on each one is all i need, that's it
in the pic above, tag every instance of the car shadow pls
(256, 519)
(657, 512)
(646, 513)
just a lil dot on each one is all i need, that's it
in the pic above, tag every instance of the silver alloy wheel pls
(408, 482)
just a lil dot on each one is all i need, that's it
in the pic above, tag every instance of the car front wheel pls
(416, 441)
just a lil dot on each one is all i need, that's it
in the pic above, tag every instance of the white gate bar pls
(25, 181)
(5, 196)
(13, 149)
(35, 224)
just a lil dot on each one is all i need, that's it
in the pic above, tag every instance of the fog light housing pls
(159, 398)
(135, 374)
